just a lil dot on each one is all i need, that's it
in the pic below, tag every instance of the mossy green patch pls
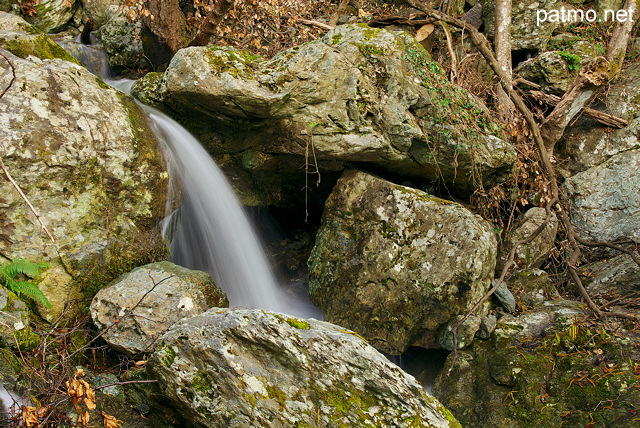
(299, 324)
(39, 46)
(168, 355)
(201, 382)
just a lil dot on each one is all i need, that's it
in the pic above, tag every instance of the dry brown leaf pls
(29, 416)
(83, 419)
(110, 421)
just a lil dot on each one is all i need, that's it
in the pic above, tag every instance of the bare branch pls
(24, 197)
(316, 24)
(13, 71)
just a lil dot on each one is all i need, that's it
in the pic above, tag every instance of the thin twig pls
(13, 71)
(6, 172)
(316, 24)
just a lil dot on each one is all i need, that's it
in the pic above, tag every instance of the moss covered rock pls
(395, 264)
(545, 368)
(239, 368)
(88, 162)
(358, 94)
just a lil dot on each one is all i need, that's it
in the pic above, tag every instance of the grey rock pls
(14, 318)
(487, 326)
(526, 34)
(87, 160)
(395, 264)
(238, 368)
(138, 307)
(532, 286)
(464, 335)
(53, 15)
(604, 202)
(589, 143)
(122, 42)
(555, 71)
(505, 297)
(357, 94)
(618, 275)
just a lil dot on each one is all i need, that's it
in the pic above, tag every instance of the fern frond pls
(30, 291)
(23, 267)
(12, 272)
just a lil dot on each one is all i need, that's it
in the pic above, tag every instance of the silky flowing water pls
(210, 231)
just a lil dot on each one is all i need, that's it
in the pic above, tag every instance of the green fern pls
(11, 278)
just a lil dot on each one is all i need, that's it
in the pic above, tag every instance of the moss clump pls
(39, 46)
(299, 324)
(201, 382)
(169, 355)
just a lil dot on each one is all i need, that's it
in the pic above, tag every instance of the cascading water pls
(211, 231)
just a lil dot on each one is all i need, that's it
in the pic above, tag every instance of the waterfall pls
(210, 231)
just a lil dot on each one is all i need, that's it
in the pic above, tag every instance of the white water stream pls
(211, 231)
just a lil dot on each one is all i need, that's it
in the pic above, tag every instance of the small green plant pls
(16, 276)
(572, 60)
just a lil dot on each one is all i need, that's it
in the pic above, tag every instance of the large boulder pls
(545, 368)
(239, 368)
(136, 308)
(358, 94)
(618, 276)
(527, 33)
(121, 41)
(555, 71)
(86, 160)
(604, 202)
(395, 264)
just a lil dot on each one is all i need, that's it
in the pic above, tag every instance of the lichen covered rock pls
(395, 264)
(53, 15)
(604, 202)
(239, 368)
(357, 94)
(87, 161)
(589, 143)
(136, 308)
(544, 368)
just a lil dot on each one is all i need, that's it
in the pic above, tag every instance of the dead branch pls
(604, 118)
(315, 24)
(342, 8)
(417, 20)
(590, 78)
(13, 72)
(24, 197)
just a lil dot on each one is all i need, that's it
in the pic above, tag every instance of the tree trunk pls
(211, 21)
(619, 39)
(502, 47)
